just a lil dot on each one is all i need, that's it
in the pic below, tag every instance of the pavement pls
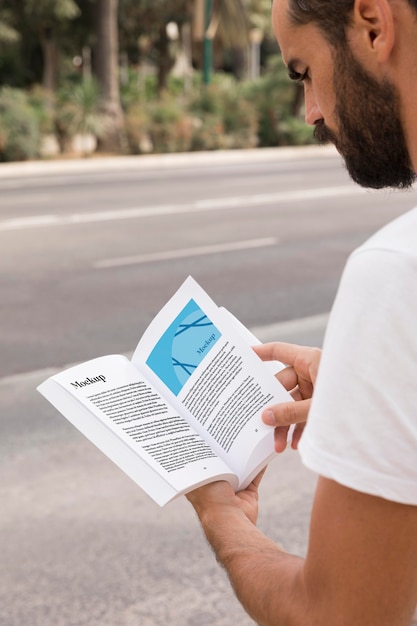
(161, 161)
(312, 328)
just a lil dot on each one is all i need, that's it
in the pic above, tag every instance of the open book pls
(186, 409)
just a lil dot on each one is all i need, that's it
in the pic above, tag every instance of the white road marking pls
(211, 204)
(186, 252)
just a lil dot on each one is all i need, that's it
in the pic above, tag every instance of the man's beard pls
(370, 136)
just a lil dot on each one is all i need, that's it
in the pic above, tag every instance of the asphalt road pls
(90, 251)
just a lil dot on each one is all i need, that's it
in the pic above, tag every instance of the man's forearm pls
(267, 580)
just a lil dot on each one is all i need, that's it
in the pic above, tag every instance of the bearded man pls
(357, 60)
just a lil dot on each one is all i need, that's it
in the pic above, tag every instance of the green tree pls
(9, 42)
(146, 21)
(8, 34)
(44, 22)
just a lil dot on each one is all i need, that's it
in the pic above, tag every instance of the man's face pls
(369, 133)
(347, 106)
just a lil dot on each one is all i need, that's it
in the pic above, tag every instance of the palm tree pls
(231, 25)
(226, 21)
(243, 24)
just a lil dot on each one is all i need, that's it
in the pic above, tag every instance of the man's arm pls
(361, 566)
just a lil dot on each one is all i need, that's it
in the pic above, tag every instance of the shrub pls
(42, 104)
(78, 112)
(295, 132)
(170, 128)
(273, 96)
(240, 121)
(137, 130)
(19, 127)
(188, 116)
(226, 119)
(208, 132)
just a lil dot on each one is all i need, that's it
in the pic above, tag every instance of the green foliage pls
(8, 34)
(273, 96)
(40, 102)
(259, 12)
(228, 113)
(208, 133)
(295, 132)
(169, 129)
(19, 128)
(225, 119)
(213, 117)
(78, 112)
(225, 114)
(137, 129)
(46, 10)
(207, 107)
(159, 126)
(10, 69)
(132, 90)
(138, 88)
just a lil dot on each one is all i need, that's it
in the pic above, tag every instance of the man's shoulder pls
(399, 235)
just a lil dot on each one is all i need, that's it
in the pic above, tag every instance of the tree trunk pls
(50, 61)
(106, 65)
(165, 62)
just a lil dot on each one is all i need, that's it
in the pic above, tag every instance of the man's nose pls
(313, 113)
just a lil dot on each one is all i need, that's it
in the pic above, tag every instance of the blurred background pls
(126, 76)
(198, 163)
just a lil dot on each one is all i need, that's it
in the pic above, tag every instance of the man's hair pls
(331, 16)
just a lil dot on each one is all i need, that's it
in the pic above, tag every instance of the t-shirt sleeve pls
(362, 427)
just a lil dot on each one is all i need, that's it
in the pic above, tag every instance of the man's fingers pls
(257, 480)
(303, 359)
(286, 413)
(296, 436)
(288, 378)
(281, 438)
(278, 351)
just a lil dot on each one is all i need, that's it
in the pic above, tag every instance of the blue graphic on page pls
(183, 346)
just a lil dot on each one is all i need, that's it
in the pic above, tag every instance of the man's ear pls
(373, 28)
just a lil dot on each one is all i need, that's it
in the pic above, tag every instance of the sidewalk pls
(162, 161)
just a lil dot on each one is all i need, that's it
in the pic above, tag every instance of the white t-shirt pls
(362, 427)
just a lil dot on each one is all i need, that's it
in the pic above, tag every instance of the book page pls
(131, 408)
(193, 353)
(272, 366)
(252, 340)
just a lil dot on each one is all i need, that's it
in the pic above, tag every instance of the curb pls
(162, 161)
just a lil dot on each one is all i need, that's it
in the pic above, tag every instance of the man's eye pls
(298, 77)
(302, 77)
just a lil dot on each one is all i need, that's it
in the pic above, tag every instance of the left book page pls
(111, 403)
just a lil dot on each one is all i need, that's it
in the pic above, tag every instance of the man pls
(357, 60)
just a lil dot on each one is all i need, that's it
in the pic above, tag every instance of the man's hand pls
(219, 497)
(298, 378)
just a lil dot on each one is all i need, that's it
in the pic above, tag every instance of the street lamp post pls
(207, 43)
